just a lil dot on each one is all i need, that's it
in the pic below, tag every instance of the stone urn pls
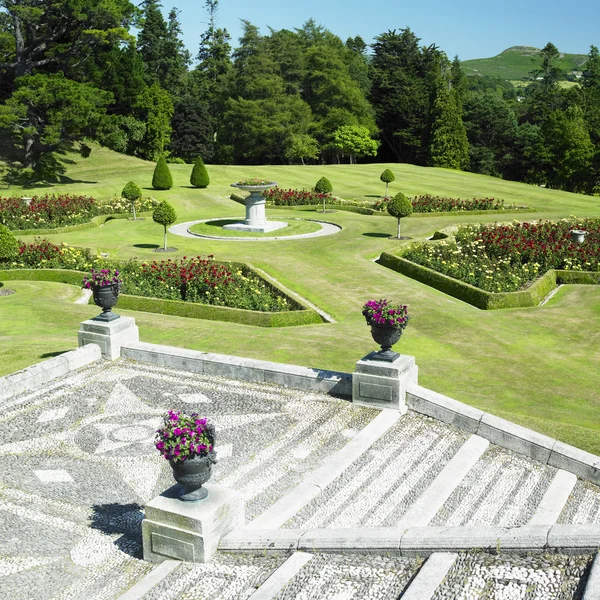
(386, 337)
(106, 296)
(578, 235)
(192, 474)
(256, 219)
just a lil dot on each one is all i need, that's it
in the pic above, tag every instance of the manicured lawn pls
(215, 228)
(536, 366)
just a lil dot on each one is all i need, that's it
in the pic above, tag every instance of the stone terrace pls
(77, 465)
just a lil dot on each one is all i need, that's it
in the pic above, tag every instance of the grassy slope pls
(517, 63)
(534, 366)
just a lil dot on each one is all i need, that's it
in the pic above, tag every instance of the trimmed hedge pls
(55, 275)
(532, 296)
(218, 313)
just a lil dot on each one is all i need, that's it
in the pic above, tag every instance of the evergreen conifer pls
(162, 178)
(199, 177)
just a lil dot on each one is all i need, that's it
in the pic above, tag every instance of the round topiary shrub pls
(387, 177)
(162, 179)
(400, 206)
(131, 191)
(9, 247)
(323, 186)
(199, 177)
(165, 215)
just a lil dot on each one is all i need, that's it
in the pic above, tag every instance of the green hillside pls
(517, 62)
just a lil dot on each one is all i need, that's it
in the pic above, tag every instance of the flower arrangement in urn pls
(387, 322)
(187, 442)
(105, 285)
(254, 181)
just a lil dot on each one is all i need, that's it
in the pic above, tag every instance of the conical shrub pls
(9, 247)
(199, 177)
(323, 186)
(162, 179)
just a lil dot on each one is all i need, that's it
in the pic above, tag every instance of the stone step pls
(555, 499)
(312, 485)
(425, 508)
(430, 576)
(281, 577)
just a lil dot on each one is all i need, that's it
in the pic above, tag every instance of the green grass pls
(536, 366)
(516, 63)
(215, 228)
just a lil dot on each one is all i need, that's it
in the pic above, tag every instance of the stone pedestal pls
(110, 336)
(383, 384)
(190, 531)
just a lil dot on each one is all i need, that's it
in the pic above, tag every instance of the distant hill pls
(517, 62)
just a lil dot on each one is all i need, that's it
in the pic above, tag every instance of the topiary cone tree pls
(387, 177)
(162, 178)
(323, 186)
(400, 206)
(164, 214)
(132, 192)
(199, 177)
(9, 247)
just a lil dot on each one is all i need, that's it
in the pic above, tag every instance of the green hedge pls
(305, 316)
(532, 296)
(218, 313)
(94, 222)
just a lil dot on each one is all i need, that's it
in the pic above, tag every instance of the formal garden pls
(536, 365)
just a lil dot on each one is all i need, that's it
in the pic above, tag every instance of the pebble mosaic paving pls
(384, 482)
(77, 464)
(504, 577)
(583, 505)
(502, 489)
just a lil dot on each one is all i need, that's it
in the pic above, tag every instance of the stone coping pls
(419, 541)
(34, 377)
(504, 433)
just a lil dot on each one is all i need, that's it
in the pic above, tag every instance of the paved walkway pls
(77, 464)
(326, 229)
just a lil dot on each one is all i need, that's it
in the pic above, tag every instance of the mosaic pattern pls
(486, 577)
(501, 489)
(583, 505)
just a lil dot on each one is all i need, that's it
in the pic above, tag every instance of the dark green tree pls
(199, 177)
(162, 178)
(387, 177)
(9, 247)
(301, 146)
(165, 215)
(399, 207)
(192, 130)
(47, 114)
(132, 192)
(449, 145)
(154, 108)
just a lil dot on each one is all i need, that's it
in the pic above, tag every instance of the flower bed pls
(52, 211)
(281, 197)
(508, 258)
(42, 254)
(429, 204)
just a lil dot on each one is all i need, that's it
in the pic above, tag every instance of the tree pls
(192, 130)
(199, 177)
(301, 146)
(47, 114)
(165, 215)
(449, 145)
(162, 178)
(323, 186)
(132, 192)
(63, 34)
(155, 108)
(387, 177)
(355, 141)
(9, 247)
(400, 206)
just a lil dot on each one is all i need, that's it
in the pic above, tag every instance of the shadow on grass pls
(373, 196)
(152, 246)
(377, 235)
(53, 354)
(124, 519)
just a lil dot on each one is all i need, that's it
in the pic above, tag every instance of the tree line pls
(71, 70)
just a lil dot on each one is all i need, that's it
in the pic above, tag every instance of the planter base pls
(106, 317)
(387, 355)
(190, 531)
(109, 335)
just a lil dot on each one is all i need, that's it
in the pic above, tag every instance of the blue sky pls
(465, 27)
